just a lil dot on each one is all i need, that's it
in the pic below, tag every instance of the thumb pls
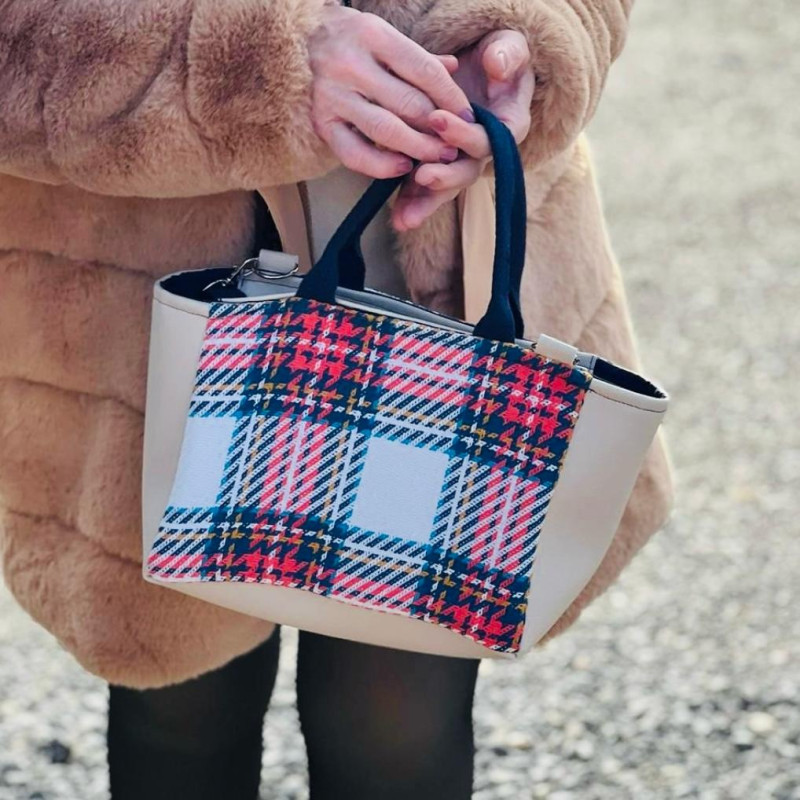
(505, 55)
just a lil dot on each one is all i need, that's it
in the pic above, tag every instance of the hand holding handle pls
(342, 262)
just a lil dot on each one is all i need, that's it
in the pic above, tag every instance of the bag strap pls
(342, 261)
(510, 229)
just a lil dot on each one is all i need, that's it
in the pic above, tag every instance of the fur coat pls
(132, 138)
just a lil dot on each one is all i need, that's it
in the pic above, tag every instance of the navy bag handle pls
(342, 262)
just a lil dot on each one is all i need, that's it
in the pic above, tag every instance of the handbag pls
(335, 459)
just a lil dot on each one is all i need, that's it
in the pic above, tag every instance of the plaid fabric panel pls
(375, 461)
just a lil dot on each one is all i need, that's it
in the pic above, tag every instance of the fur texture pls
(158, 98)
(129, 130)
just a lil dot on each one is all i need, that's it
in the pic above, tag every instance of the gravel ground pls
(682, 680)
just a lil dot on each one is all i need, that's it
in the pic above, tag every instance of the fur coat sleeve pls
(573, 43)
(158, 97)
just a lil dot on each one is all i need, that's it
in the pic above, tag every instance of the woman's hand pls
(374, 91)
(495, 73)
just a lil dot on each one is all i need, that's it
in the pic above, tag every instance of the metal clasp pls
(251, 266)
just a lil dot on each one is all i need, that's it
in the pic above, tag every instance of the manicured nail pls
(467, 115)
(439, 124)
(449, 154)
(404, 166)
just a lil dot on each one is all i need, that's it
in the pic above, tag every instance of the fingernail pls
(467, 115)
(449, 154)
(503, 59)
(403, 167)
(439, 123)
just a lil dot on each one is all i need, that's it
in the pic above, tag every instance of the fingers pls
(361, 156)
(373, 91)
(447, 177)
(417, 66)
(389, 131)
(415, 203)
(429, 187)
(456, 132)
(404, 100)
(450, 63)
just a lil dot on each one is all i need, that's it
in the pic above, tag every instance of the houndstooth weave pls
(374, 461)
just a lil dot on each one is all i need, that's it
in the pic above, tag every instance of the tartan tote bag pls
(333, 458)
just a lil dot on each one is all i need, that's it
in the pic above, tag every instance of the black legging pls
(378, 723)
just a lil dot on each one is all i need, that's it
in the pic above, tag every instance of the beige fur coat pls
(131, 137)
